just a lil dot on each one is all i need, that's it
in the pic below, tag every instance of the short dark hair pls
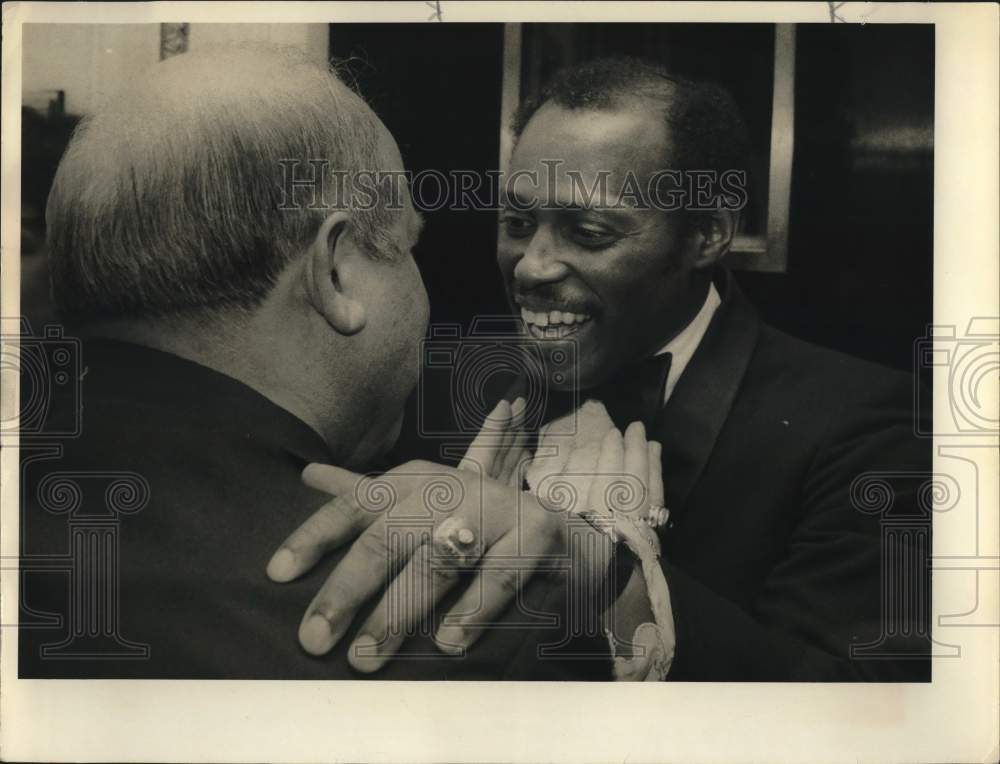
(705, 126)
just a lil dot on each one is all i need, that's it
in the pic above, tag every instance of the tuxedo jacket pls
(799, 535)
(798, 543)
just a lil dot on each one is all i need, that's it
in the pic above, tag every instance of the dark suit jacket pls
(799, 540)
(145, 540)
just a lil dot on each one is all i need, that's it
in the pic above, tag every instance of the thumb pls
(334, 524)
(330, 479)
(482, 454)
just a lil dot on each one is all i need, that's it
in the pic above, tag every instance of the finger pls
(409, 601)
(514, 425)
(518, 410)
(637, 465)
(491, 592)
(579, 475)
(512, 473)
(334, 524)
(657, 495)
(518, 436)
(515, 452)
(609, 464)
(330, 479)
(374, 559)
(358, 577)
(483, 450)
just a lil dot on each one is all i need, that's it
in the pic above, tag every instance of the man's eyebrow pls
(571, 207)
(597, 209)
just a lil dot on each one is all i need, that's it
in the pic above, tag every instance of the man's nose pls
(539, 264)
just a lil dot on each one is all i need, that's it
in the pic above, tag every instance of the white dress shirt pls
(683, 345)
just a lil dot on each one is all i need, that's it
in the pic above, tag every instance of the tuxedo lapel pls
(690, 423)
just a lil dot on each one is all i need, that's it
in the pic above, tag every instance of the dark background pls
(860, 266)
(437, 88)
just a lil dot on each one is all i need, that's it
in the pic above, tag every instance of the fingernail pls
(450, 640)
(364, 654)
(281, 568)
(316, 636)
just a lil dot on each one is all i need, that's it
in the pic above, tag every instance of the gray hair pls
(171, 198)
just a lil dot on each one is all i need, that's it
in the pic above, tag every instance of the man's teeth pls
(553, 318)
(555, 324)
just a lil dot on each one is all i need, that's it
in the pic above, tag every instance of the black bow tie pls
(636, 393)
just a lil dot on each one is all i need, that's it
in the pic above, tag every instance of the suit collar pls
(690, 423)
(683, 346)
(181, 391)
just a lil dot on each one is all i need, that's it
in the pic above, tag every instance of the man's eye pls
(593, 237)
(517, 227)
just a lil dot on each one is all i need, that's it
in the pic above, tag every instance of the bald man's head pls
(171, 198)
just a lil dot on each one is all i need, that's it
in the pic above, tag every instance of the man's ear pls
(717, 230)
(327, 282)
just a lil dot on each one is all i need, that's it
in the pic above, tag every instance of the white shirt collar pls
(683, 345)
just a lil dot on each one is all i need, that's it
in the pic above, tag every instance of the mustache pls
(550, 295)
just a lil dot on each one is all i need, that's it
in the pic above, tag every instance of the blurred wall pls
(91, 61)
(87, 62)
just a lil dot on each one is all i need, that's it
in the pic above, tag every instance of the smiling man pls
(621, 277)
(774, 568)
(774, 559)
